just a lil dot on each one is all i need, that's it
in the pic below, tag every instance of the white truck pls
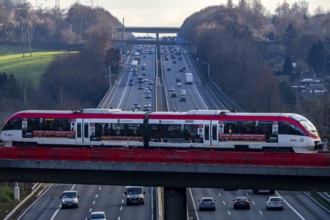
(189, 78)
(134, 66)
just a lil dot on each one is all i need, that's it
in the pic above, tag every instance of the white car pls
(97, 216)
(70, 199)
(274, 202)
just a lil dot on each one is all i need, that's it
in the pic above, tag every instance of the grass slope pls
(26, 68)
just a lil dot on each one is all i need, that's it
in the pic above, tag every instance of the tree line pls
(243, 43)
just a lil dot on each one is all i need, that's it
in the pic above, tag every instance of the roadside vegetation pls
(7, 202)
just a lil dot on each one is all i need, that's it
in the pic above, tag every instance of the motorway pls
(111, 199)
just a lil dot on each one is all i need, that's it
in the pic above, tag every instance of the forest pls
(251, 52)
(256, 57)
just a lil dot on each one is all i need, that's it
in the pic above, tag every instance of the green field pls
(27, 69)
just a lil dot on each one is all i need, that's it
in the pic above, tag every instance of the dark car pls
(241, 203)
(207, 203)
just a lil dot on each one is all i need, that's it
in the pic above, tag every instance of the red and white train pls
(200, 129)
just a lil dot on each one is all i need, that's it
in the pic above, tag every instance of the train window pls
(207, 132)
(79, 130)
(15, 124)
(214, 132)
(190, 133)
(247, 127)
(86, 129)
(108, 129)
(157, 132)
(286, 128)
(231, 127)
(33, 124)
(174, 131)
(264, 127)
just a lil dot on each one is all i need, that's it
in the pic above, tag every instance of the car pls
(179, 84)
(263, 191)
(274, 202)
(148, 104)
(207, 203)
(97, 216)
(180, 70)
(148, 96)
(173, 94)
(150, 88)
(183, 67)
(134, 195)
(174, 62)
(146, 108)
(177, 79)
(150, 82)
(171, 89)
(241, 202)
(131, 84)
(140, 87)
(168, 69)
(136, 106)
(70, 199)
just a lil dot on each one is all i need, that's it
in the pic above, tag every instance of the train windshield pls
(306, 123)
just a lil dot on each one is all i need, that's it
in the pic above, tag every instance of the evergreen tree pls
(317, 56)
(287, 68)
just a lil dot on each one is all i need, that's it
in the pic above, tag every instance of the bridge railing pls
(165, 156)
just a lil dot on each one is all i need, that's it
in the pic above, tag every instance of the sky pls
(163, 13)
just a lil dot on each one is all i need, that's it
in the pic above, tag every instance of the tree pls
(287, 67)
(287, 93)
(317, 56)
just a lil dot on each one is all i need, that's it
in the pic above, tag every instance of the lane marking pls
(291, 207)
(192, 199)
(59, 207)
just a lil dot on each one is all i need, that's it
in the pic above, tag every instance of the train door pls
(83, 131)
(210, 136)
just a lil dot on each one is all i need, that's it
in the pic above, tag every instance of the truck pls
(134, 66)
(189, 78)
(183, 95)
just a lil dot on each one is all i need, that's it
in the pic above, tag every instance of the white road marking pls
(59, 207)
(192, 199)
(291, 207)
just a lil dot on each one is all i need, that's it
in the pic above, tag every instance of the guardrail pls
(165, 156)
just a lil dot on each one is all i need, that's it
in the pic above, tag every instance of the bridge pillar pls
(175, 203)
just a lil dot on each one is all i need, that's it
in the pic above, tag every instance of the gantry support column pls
(175, 204)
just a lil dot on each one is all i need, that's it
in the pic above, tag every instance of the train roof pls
(80, 111)
(223, 112)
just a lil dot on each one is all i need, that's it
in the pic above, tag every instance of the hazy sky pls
(163, 12)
